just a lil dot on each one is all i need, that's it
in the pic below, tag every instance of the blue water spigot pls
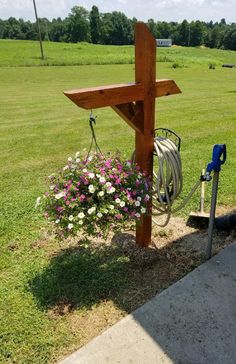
(219, 150)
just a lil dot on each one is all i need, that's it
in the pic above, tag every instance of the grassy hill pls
(27, 53)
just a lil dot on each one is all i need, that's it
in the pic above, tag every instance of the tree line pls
(117, 29)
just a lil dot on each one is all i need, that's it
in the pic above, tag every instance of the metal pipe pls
(202, 197)
(212, 213)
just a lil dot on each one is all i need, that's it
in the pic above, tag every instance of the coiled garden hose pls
(167, 179)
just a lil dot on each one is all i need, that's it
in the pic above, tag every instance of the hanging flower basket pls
(96, 195)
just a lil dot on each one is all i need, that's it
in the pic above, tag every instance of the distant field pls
(39, 129)
(27, 53)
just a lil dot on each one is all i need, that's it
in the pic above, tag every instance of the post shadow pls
(81, 277)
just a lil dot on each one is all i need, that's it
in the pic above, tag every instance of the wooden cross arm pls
(92, 98)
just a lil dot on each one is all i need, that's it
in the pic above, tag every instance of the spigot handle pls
(218, 158)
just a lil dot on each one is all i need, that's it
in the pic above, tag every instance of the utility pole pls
(39, 32)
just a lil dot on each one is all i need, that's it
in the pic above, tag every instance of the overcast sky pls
(169, 10)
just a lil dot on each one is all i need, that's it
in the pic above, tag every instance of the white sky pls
(169, 10)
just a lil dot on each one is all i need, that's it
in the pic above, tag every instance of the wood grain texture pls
(145, 73)
(166, 87)
(95, 97)
(92, 98)
(131, 114)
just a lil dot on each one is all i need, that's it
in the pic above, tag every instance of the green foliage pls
(95, 25)
(196, 33)
(230, 39)
(212, 66)
(78, 25)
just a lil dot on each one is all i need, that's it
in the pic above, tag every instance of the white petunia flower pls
(99, 214)
(102, 180)
(91, 188)
(65, 168)
(117, 200)
(137, 215)
(70, 159)
(71, 217)
(77, 160)
(139, 198)
(70, 226)
(37, 202)
(59, 195)
(147, 197)
(91, 210)
(52, 187)
(108, 184)
(143, 210)
(122, 204)
(137, 203)
(81, 222)
(98, 175)
(111, 207)
(101, 193)
(84, 170)
(91, 175)
(111, 190)
(81, 215)
(105, 211)
(128, 164)
(57, 221)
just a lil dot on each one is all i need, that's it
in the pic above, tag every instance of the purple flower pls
(118, 216)
(82, 198)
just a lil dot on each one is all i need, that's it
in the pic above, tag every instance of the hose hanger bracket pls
(168, 134)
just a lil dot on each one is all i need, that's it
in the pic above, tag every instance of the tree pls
(230, 39)
(181, 34)
(153, 27)
(106, 28)
(116, 29)
(78, 25)
(121, 29)
(216, 37)
(196, 33)
(58, 30)
(95, 25)
(164, 29)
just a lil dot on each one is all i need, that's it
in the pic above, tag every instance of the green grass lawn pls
(27, 53)
(39, 129)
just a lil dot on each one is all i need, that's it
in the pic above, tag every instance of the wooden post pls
(135, 104)
(145, 73)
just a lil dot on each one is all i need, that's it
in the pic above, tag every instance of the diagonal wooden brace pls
(132, 114)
